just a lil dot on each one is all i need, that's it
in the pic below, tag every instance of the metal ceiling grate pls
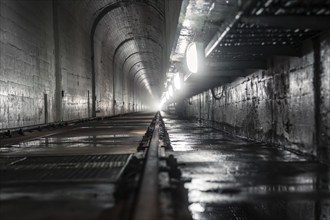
(63, 168)
(273, 27)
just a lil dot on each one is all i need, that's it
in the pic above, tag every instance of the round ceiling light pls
(170, 91)
(195, 57)
(177, 81)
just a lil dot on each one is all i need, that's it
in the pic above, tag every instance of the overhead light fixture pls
(167, 96)
(163, 100)
(177, 81)
(195, 57)
(170, 91)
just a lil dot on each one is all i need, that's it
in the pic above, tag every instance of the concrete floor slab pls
(232, 178)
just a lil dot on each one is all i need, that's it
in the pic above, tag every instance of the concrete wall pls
(43, 51)
(27, 63)
(288, 104)
(75, 55)
(324, 120)
(104, 80)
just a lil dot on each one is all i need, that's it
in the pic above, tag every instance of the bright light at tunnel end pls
(159, 106)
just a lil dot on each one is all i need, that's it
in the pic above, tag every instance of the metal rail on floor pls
(150, 187)
(160, 180)
(147, 198)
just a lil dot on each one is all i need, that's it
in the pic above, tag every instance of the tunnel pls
(165, 109)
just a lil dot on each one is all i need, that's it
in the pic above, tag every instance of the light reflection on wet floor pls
(105, 135)
(230, 178)
(60, 188)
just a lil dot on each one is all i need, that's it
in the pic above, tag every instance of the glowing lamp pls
(167, 96)
(177, 81)
(170, 91)
(195, 57)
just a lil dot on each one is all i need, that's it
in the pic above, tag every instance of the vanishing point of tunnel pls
(165, 109)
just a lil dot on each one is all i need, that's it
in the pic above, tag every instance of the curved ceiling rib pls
(134, 39)
(136, 60)
(138, 64)
(130, 40)
(143, 78)
(132, 66)
(147, 60)
(123, 3)
(143, 68)
(135, 53)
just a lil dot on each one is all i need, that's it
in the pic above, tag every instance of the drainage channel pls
(151, 187)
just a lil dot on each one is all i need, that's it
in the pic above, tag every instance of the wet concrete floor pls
(231, 178)
(70, 173)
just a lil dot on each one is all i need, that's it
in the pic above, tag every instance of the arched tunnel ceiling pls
(138, 26)
(133, 33)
